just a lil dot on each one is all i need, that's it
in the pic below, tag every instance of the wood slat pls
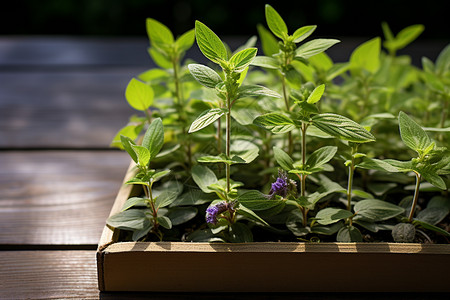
(57, 197)
(63, 109)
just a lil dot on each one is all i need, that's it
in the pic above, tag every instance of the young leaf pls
(159, 58)
(242, 59)
(404, 37)
(143, 155)
(164, 222)
(283, 159)
(206, 118)
(154, 137)
(186, 40)
(275, 123)
(255, 200)
(412, 134)
(158, 33)
(165, 198)
(366, 56)
(269, 43)
(349, 234)
(314, 47)
(250, 214)
(130, 131)
(209, 43)
(342, 127)
(134, 201)
(255, 91)
(204, 75)
(321, 156)
(139, 95)
(203, 177)
(376, 210)
(303, 32)
(332, 215)
(266, 62)
(316, 94)
(132, 219)
(127, 144)
(276, 23)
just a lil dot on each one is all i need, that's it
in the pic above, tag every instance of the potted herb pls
(269, 164)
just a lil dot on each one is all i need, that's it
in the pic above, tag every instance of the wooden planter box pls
(268, 267)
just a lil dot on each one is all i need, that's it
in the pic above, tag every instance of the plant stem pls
(228, 141)
(303, 176)
(286, 102)
(416, 197)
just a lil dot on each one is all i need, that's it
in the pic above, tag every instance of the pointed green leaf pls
(269, 43)
(314, 47)
(250, 214)
(431, 227)
(186, 40)
(134, 201)
(131, 131)
(245, 150)
(132, 219)
(127, 144)
(412, 134)
(332, 215)
(376, 210)
(276, 23)
(165, 198)
(283, 159)
(433, 215)
(316, 94)
(266, 62)
(204, 75)
(366, 56)
(242, 59)
(321, 156)
(349, 234)
(159, 58)
(180, 215)
(139, 95)
(204, 177)
(158, 33)
(433, 178)
(155, 177)
(342, 127)
(209, 43)
(206, 118)
(303, 32)
(164, 222)
(404, 37)
(255, 200)
(443, 61)
(154, 138)
(255, 91)
(376, 164)
(275, 123)
(143, 155)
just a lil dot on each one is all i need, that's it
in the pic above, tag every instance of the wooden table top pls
(61, 103)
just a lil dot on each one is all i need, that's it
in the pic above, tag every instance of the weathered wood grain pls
(57, 197)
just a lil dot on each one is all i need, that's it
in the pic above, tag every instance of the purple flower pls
(282, 186)
(213, 211)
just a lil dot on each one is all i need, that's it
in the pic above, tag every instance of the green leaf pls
(164, 222)
(206, 118)
(186, 40)
(401, 166)
(404, 37)
(159, 58)
(433, 215)
(332, 215)
(250, 214)
(139, 95)
(255, 91)
(154, 137)
(269, 43)
(376, 164)
(412, 134)
(316, 94)
(205, 75)
(240, 233)
(155, 177)
(245, 150)
(342, 127)
(376, 210)
(266, 62)
(349, 234)
(276, 23)
(314, 47)
(321, 156)
(143, 155)
(255, 200)
(134, 201)
(327, 230)
(242, 59)
(275, 123)
(433, 178)
(204, 177)
(132, 219)
(138, 234)
(131, 131)
(158, 33)
(283, 159)
(209, 43)
(127, 144)
(336, 70)
(180, 215)
(431, 227)
(443, 61)
(366, 56)
(303, 32)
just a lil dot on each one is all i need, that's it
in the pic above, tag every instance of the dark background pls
(334, 18)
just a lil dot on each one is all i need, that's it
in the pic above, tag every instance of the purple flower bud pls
(213, 211)
(280, 186)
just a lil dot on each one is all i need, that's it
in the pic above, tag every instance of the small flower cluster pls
(282, 186)
(213, 211)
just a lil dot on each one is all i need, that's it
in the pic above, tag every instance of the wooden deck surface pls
(61, 102)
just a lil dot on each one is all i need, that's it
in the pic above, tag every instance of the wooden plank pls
(48, 275)
(57, 197)
(63, 109)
